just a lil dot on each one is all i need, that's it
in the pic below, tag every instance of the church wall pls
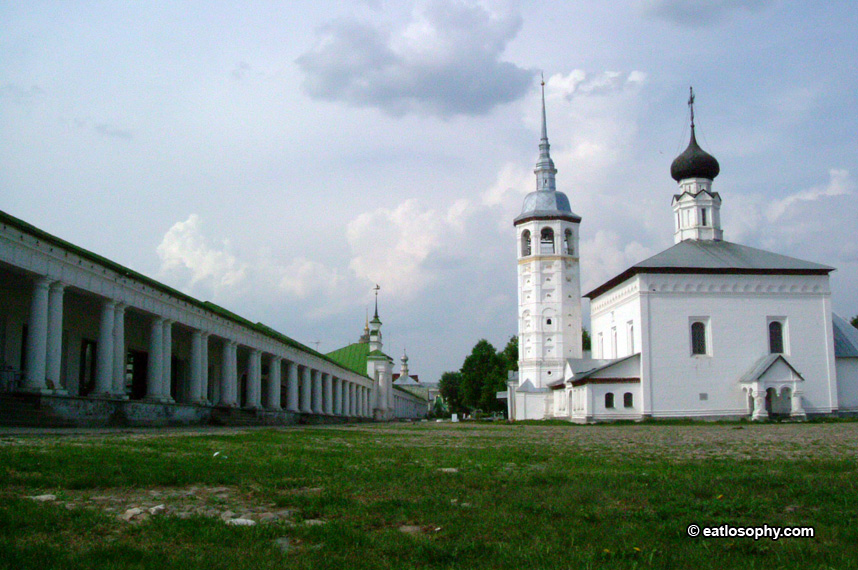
(618, 309)
(601, 411)
(847, 384)
(736, 309)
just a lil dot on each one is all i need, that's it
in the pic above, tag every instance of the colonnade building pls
(86, 341)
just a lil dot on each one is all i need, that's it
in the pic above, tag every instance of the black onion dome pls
(694, 162)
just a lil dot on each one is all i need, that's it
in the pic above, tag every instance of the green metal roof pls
(353, 356)
(8, 219)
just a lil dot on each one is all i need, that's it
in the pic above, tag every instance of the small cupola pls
(697, 209)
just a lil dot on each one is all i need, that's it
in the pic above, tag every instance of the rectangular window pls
(613, 342)
(702, 216)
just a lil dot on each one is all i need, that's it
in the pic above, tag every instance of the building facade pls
(86, 341)
(709, 328)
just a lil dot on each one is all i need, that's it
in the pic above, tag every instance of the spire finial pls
(376, 289)
(544, 127)
(545, 170)
(691, 105)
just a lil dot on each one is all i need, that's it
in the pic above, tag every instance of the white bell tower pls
(549, 286)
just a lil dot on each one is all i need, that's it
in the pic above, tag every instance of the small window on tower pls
(547, 321)
(568, 243)
(702, 216)
(546, 241)
(525, 243)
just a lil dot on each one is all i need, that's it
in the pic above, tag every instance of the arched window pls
(568, 244)
(628, 400)
(698, 337)
(546, 241)
(776, 337)
(609, 400)
(525, 243)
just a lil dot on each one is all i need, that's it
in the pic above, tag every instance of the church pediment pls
(772, 369)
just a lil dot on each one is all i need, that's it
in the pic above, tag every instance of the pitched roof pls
(353, 356)
(845, 338)
(762, 366)
(715, 257)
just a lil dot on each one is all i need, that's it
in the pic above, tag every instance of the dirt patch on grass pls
(136, 505)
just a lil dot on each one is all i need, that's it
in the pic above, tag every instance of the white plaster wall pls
(847, 384)
(738, 307)
(616, 309)
(619, 411)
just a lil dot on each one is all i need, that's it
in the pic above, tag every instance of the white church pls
(705, 329)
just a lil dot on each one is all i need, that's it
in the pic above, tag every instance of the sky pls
(282, 158)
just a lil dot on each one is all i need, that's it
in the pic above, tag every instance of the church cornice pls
(548, 216)
(713, 195)
(632, 271)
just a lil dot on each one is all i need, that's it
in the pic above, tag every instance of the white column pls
(253, 378)
(274, 389)
(292, 387)
(328, 403)
(760, 412)
(167, 361)
(54, 357)
(363, 400)
(347, 409)
(338, 396)
(196, 366)
(204, 369)
(233, 373)
(352, 400)
(225, 375)
(119, 352)
(37, 337)
(104, 357)
(156, 351)
(317, 392)
(306, 391)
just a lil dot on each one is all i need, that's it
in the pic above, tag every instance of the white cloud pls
(579, 82)
(445, 61)
(605, 255)
(391, 246)
(188, 255)
(839, 184)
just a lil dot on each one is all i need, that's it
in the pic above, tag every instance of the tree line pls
(483, 374)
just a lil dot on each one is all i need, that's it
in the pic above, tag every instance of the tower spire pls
(544, 127)
(691, 106)
(545, 170)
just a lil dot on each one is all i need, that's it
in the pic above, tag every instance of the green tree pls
(585, 339)
(483, 374)
(854, 321)
(510, 354)
(450, 388)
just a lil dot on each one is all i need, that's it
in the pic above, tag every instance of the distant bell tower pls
(549, 283)
(696, 208)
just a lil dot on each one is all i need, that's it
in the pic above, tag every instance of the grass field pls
(431, 496)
